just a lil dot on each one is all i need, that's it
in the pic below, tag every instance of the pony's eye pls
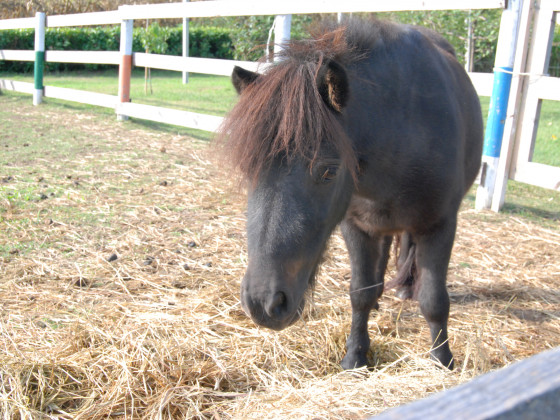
(328, 173)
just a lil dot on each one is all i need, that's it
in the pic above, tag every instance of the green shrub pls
(206, 42)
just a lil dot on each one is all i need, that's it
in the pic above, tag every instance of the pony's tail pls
(406, 279)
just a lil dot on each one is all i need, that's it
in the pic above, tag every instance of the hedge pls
(208, 42)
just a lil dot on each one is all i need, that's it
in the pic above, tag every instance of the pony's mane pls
(282, 114)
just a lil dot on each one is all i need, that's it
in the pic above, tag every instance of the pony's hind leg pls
(368, 257)
(433, 252)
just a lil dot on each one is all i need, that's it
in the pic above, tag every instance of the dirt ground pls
(122, 247)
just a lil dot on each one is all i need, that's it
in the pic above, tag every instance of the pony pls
(372, 126)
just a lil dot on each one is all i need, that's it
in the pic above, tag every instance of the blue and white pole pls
(497, 113)
(39, 58)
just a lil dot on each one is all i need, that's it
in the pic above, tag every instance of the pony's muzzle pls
(272, 310)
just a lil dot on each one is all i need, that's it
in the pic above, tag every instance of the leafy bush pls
(203, 42)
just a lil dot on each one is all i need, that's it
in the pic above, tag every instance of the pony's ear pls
(242, 78)
(332, 83)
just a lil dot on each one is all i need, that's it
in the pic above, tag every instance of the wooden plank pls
(539, 53)
(84, 19)
(17, 55)
(82, 96)
(23, 87)
(170, 116)
(482, 83)
(193, 64)
(256, 7)
(20, 23)
(90, 57)
(529, 389)
(541, 175)
(547, 88)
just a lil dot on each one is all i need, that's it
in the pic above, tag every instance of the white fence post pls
(505, 55)
(125, 67)
(185, 44)
(39, 66)
(282, 28)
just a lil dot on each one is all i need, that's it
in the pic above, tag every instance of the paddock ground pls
(122, 247)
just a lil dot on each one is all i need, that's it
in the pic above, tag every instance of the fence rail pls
(529, 389)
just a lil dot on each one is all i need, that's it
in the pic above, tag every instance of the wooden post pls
(505, 55)
(529, 389)
(125, 67)
(185, 44)
(282, 28)
(39, 57)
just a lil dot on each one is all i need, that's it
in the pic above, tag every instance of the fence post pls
(185, 44)
(503, 69)
(39, 57)
(282, 28)
(125, 67)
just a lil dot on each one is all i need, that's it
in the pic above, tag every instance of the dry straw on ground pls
(158, 332)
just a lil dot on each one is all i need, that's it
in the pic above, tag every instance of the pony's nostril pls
(277, 306)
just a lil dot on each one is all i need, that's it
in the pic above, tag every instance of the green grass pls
(215, 95)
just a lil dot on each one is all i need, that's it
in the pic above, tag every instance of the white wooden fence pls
(125, 108)
(525, 101)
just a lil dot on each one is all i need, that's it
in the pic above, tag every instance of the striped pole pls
(39, 57)
(125, 67)
(185, 44)
(497, 113)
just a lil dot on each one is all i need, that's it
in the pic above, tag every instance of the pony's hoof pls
(353, 362)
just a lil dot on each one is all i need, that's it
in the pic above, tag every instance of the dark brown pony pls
(371, 125)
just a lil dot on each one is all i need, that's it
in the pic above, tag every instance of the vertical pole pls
(505, 55)
(125, 68)
(469, 44)
(282, 28)
(185, 44)
(39, 57)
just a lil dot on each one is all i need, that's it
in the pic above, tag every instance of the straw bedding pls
(122, 298)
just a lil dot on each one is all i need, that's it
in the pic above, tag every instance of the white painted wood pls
(185, 39)
(17, 55)
(282, 32)
(20, 23)
(539, 53)
(170, 116)
(85, 19)
(538, 174)
(193, 64)
(126, 37)
(256, 7)
(482, 83)
(23, 87)
(82, 96)
(547, 88)
(89, 57)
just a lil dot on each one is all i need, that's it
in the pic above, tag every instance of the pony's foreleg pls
(433, 252)
(368, 257)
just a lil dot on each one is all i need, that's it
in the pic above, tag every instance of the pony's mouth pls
(256, 309)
